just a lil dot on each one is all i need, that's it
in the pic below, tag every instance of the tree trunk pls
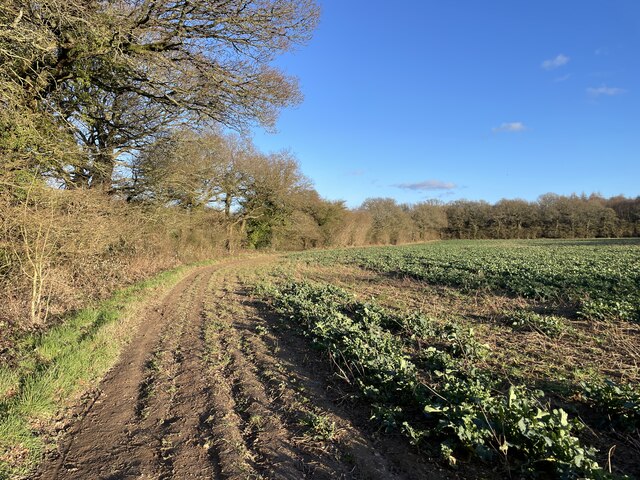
(103, 171)
(227, 205)
(230, 242)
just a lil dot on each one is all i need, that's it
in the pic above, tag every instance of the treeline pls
(266, 202)
(550, 216)
(191, 195)
(95, 99)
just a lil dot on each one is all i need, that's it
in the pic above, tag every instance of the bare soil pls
(213, 386)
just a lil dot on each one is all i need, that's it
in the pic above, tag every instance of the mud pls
(214, 387)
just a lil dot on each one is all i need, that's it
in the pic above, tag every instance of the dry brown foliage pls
(61, 249)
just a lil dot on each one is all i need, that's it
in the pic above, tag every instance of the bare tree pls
(257, 193)
(429, 218)
(83, 60)
(391, 223)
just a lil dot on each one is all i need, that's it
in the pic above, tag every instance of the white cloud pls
(556, 62)
(604, 90)
(427, 185)
(510, 127)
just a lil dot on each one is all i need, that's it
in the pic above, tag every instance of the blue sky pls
(458, 99)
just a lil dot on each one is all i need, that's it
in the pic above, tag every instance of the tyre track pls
(123, 433)
(263, 429)
(180, 394)
(267, 435)
(101, 430)
(152, 427)
(191, 402)
(273, 385)
(208, 389)
(228, 443)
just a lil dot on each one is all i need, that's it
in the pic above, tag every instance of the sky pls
(452, 99)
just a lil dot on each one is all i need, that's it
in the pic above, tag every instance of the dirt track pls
(212, 386)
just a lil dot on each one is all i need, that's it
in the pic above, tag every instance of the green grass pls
(58, 365)
(9, 381)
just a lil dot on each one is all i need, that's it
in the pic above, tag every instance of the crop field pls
(447, 360)
(183, 296)
(516, 356)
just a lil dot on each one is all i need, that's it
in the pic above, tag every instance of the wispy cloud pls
(356, 173)
(606, 91)
(427, 185)
(510, 127)
(556, 62)
(563, 78)
(603, 74)
(601, 51)
(446, 194)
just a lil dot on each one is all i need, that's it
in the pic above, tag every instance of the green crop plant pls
(439, 396)
(524, 320)
(603, 282)
(619, 403)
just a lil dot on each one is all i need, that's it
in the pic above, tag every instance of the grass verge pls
(57, 366)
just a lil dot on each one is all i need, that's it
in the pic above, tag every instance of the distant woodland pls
(550, 216)
(123, 152)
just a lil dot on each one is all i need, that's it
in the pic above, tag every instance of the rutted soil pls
(213, 386)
